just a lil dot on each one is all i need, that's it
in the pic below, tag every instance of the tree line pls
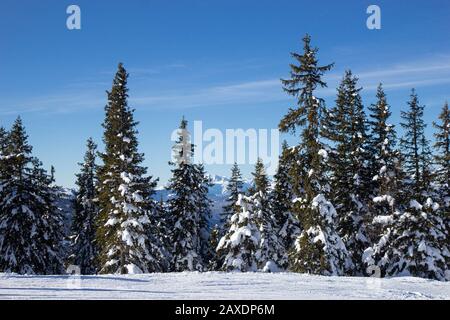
(349, 197)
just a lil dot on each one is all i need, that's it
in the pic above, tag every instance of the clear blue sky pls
(215, 61)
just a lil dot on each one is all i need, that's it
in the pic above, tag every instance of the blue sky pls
(215, 61)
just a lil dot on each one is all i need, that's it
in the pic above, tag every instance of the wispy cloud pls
(411, 75)
(419, 73)
(238, 94)
(62, 103)
(423, 72)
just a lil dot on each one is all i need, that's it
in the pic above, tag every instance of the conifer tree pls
(271, 255)
(124, 192)
(240, 244)
(234, 188)
(442, 160)
(188, 206)
(382, 144)
(260, 179)
(385, 164)
(161, 232)
(30, 224)
(281, 199)
(83, 248)
(415, 149)
(318, 249)
(53, 234)
(442, 155)
(345, 125)
(414, 243)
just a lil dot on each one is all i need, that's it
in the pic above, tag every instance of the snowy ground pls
(215, 285)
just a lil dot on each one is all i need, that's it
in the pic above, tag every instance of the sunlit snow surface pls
(215, 285)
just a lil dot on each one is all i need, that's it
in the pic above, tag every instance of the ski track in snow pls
(217, 285)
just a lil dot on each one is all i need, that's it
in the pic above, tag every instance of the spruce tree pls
(345, 125)
(233, 188)
(124, 192)
(415, 149)
(382, 144)
(54, 232)
(160, 231)
(385, 164)
(239, 246)
(442, 155)
(271, 255)
(30, 224)
(281, 199)
(318, 249)
(414, 243)
(442, 160)
(260, 179)
(83, 250)
(188, 207)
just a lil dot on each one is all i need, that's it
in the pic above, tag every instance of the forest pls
(351, 198)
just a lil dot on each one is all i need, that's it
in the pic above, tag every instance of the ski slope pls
(216, 285)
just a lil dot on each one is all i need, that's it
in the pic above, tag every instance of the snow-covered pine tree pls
(188, 206)
(414, 243)
(442, 160)
(124, 193)
(382, 141)
(53, 233)
(83, 250)
(233, 188)
(318, 249)
(240, 244)
(161, 232)
(442, 156)
(345, 125)
(415, 150)
(30, 237)
(281, 199)
(271, 255)
(385, 165)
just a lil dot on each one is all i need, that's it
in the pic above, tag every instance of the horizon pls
(219, 63)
